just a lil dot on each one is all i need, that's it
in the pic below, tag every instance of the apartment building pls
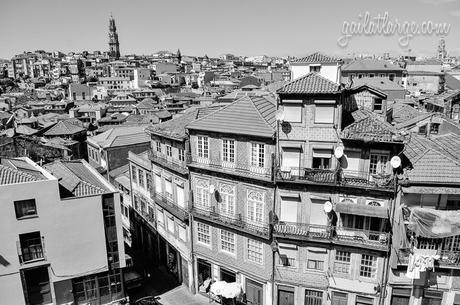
(52, 215)
(426, 222)
(326, 66)
(334, 192)
(231, 180)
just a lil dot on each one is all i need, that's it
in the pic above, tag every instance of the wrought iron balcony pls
(236, 168)
(344, 178)
(31, 250)
(169, 162)
(150, 219)
(236, 221)
(336, 235)
(447, 259)
(167, 203)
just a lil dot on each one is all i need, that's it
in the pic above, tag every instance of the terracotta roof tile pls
(11, 175)
(310, 83)
(63, 128)
(317, 57)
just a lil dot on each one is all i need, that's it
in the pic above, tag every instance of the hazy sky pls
(214, 27)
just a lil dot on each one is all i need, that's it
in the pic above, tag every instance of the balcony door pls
(290, 161)
(254, 293)
(37, 286)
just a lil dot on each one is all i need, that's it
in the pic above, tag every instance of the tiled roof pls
(452, 82)
(63, 128)
(403, 112)
(76, 178)
(414, 120)
(370, 127)
(310, 83)
(120, 136)
(146, 103)
(11, 172)
(317, 57)
(248, 116)
(434, 160)
(380, 83)
(371, 65)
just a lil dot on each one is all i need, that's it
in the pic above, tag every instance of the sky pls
(215, 27)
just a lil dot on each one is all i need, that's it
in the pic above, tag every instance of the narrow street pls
(164, 285)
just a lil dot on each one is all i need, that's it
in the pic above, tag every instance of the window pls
(339, 298)
(202, 194)
(227, 202)
(25, 208)
(257, 155)
(322, 158)
(255, 251)
(314, 264)
(255, 207)
(371, 74)
(203, 147)
(382, 75)
(378, 163)
(391, 77)
(434, 128)
(158, 147)
(378, 104)
(182, 232)
(228, 150)
(168, 151)
(453, 204)
(364, 300)
(324, 113)
(422, 129)
(316, 69)
(168, 190)
(203, 233)
(287, 255)
(83, 96)
(368, 266)
(181, 155)
(227, 241)
(160, 215)
(360, 75)
(171, 224)
(134, 173)
(342, 262)
(148, 178)
(141, 178)
(158, 188)
(313, 297)
(293, 113)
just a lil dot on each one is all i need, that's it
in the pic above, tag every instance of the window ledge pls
(27, 217)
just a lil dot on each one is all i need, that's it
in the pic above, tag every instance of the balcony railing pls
(236, 221)
(31, 250)
(146, 216)
(169, 162)
(231, 167)
(336, 177)
(447, 258)
(322, 233)
(167, 203)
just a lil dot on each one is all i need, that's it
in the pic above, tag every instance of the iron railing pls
(340, 235)
(169, 162)
(168, 204)
(336, 177)
(31, 250)
(232, 167)
(236, 221)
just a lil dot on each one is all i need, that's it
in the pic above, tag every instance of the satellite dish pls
(211, 188)
(395, 162)
(338, 152)
(327, 206)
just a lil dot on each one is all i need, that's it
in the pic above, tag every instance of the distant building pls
(326, 66)
(373, 68)
(114, 45)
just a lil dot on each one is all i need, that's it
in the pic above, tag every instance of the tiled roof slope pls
(380, 83)
(317, 57)
(369, 126)
(310, 83)
(247, 116)
(76, 178)
(120, 136)
(63, 128)
(371, 65)
(12, 175)
(403, 112)
(434, 160)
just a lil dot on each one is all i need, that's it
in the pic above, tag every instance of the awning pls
(322, 152)
(431, 223)
(361, 209)
(297, 145)
(290, 195)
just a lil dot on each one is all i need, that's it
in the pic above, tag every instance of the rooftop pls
(19, 170)
(317, 57)
(380, 83)
(65, 127)
(120, 136)
(371, 65)
(311, 83)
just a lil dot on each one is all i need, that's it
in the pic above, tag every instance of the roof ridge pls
(258, 112)
(214, 112)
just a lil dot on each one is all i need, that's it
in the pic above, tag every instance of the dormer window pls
(434, 128)
(316, 69)
(378, 105)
